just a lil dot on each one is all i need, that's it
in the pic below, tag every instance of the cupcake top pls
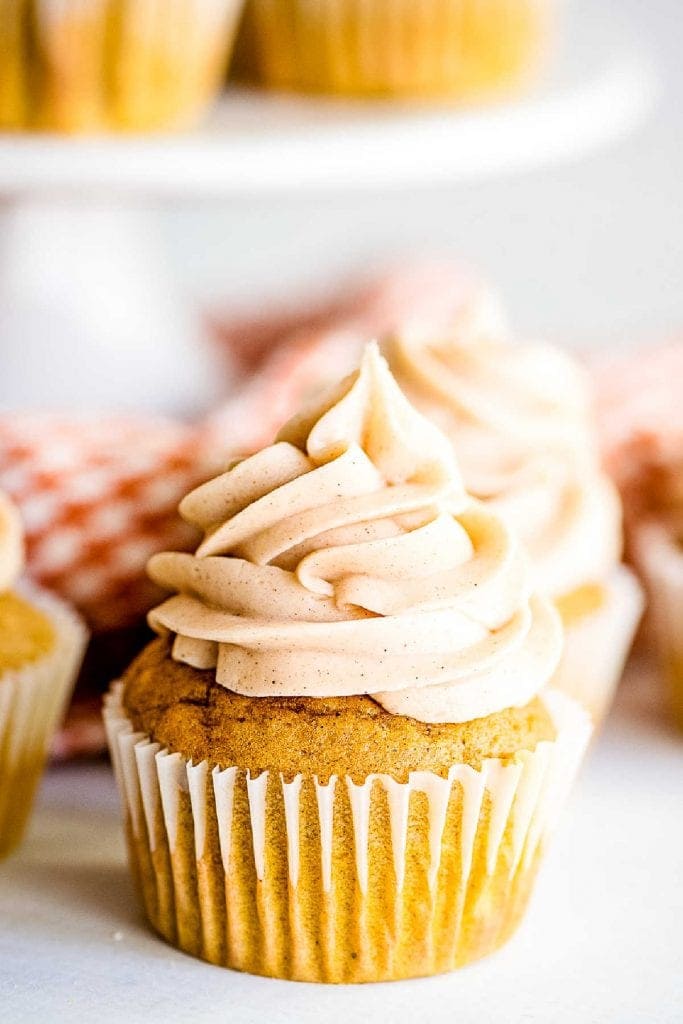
(347, 559)
(519, 419)
(11, 543)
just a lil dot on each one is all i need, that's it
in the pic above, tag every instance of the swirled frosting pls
(11, 543)
(518, 417)
(347, 558)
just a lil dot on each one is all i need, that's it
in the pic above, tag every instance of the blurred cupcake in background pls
(120, 65)
(519, 418)
(641, 427)
(453, 48)
(41, 647)
(340, 761)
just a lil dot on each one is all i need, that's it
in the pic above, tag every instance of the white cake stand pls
(88, 315)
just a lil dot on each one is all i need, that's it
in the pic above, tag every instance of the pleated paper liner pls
(333, 880)
(597, 645)
(392, 47)
(659, 555)
(84, 65)
(32, 702)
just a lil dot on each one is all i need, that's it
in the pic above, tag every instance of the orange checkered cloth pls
(98, 497)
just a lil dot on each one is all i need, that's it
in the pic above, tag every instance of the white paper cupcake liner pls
(32, 702)
(83, 65)
(660, 559)
(597, 645)
(338, 880)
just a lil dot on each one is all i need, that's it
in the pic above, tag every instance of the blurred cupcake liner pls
(32, 703)
(84, 65)
(597, 644)
(659, 556)
(392, 47)
(343, 880)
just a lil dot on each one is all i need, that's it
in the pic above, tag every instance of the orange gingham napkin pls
(98, 496)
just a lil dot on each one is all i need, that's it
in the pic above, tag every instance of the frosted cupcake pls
(92, 65)
(452, 48)
(518, 417)
(339, 761)
(41, 647)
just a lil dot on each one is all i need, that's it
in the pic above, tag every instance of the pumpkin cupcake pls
(339, 761)
(41, 647)
(127, 65)
(519, 418)
(454, 48)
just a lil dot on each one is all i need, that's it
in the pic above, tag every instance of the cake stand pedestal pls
(90, 317)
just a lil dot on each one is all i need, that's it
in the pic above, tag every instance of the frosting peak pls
(11, 543)
(347, 558)
(369, 411)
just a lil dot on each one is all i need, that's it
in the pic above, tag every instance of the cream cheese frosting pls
(11, 543)
(347, 558)
(518, 417)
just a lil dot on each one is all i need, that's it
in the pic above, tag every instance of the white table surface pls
(601, 942)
